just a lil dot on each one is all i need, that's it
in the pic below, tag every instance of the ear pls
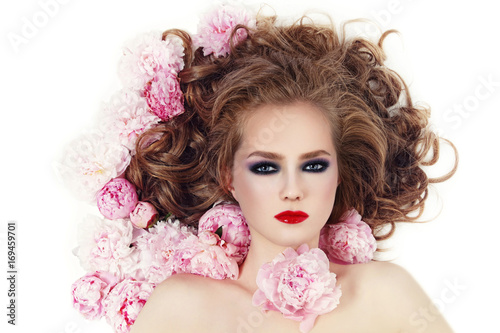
(232, 191)
(228, 183)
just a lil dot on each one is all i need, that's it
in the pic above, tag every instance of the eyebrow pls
(276, 156)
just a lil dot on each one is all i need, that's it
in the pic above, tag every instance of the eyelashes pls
(269, 168)
(264, 168)
(316, 166)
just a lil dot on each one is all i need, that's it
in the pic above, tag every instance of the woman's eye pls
(316, 166)
(264, 168)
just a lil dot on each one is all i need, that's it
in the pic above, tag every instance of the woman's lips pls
(290, 217)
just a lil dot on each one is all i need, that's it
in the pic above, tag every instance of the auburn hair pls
(382, 139)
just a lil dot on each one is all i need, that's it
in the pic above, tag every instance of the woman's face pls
(285, 170)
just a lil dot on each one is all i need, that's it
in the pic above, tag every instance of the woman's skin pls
(295, 168)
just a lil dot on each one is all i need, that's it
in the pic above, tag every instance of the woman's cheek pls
(326, 184)
(248, 187)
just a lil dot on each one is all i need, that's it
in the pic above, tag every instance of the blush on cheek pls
(327, 191)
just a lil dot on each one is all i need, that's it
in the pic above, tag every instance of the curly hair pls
(382, 139)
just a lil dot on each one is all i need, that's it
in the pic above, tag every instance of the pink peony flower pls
(125, 117)
(234, 227)
(117, 199)
(164, 96)
(350, 241)
(146, 56)
(144, 215)
(89, 291)
(214, 29)
(90, 162)
(184, 252)
(104, 245)
(299, 285)
(208, 238)
(157, 248)
(211, 259)
(205, 255)
(124, 302)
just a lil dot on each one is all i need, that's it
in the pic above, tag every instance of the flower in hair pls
(215, 29)
(89, 291)
(144, 215)
(104, 245)
(146, 56)
(125, 117)
(298, 284)
(124, 302)
(233, 227)
(90, 162)
(164, 96)
(350, 241)
(117, 199)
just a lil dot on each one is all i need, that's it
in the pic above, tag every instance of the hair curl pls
(382, 139)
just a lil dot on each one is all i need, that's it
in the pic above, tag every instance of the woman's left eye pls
(316, 166)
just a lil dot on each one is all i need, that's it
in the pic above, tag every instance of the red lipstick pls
(290, 217)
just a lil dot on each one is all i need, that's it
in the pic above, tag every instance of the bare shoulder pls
(379, 277)
(171, 306)
(384, 275)
(393, 296)
(388, 277)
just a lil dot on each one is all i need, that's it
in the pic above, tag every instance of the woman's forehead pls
(288, 126)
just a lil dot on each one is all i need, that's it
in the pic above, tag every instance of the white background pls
(53, 84)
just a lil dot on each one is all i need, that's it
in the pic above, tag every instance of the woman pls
(297, 125)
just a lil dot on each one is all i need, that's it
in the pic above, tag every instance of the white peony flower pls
(125, 117)
(104, 245)
(146, 55)
(90, 162)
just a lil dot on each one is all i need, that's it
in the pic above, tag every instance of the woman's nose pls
(292, 189)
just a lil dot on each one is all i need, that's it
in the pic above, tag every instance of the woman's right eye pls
(264, 168)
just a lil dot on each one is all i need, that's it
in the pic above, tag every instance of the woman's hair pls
(382, 139)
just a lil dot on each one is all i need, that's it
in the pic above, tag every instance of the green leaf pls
(219, 232)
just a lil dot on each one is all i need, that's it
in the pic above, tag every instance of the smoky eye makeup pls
(264, 168)
(316, 165)
(269, 168)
